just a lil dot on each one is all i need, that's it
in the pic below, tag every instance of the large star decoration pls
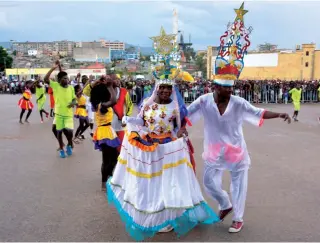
(164, 42)
(240, 12)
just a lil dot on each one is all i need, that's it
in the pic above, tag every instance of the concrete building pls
(123, 55)
(30, 73)
(113, 45)
(32, 52)
(88, 44)
(303, 63)
(92, 54)
(65, 48)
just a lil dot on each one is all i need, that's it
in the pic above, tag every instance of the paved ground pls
(45, 198)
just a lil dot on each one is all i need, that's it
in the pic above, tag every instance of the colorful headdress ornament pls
(233, 46)
(166, 66)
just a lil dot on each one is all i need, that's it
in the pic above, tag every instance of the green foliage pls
(145, 58)
(189, 53)
(201, 63)
(5, 59)
(131, 49)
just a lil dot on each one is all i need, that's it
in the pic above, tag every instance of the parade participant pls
(41, 99)
(80, 113)
(50, 92)
(65, 100)
(296, 100)
(25, 102)
(154, 187)
(123, 107)
(105, 139)
(85, 82)
(54, 127)
(224, 114)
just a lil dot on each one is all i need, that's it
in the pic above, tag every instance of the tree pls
(201, 62)
(189, 53)
(5, 59)
(145, 58)
(131, 49)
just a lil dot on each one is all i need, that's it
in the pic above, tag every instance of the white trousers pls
(212, 180)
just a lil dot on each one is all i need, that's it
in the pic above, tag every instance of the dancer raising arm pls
(224, 114)
(65, 100)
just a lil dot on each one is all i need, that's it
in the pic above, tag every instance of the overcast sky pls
(284, 23)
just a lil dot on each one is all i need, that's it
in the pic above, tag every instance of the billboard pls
(256, 60)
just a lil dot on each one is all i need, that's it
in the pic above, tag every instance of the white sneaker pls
(236, 227)
(167, 229)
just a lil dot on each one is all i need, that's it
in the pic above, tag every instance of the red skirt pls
(25, 104)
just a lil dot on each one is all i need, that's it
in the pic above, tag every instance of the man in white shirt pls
(225, 147)
(224, 114)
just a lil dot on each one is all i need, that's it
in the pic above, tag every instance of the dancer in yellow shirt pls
(81, 113)
(65, 100)
(296, 100)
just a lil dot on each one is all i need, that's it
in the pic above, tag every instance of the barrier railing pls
(267, 96)
(264, 96)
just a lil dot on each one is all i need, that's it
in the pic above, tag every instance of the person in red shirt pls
(50, 92)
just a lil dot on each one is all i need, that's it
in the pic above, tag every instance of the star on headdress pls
(164, 43)
(240, 12)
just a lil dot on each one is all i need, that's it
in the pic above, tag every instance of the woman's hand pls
(285, 117)
(182, 132)
(124, 121)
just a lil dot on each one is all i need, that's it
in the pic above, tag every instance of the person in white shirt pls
(224, 114)
(225, 147)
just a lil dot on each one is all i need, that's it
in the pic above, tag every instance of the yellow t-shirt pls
(63, 96)
(103, 119)
(82, 100)
(295, 94)
(87, 90)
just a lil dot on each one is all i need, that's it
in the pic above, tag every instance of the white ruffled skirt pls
(152, 190)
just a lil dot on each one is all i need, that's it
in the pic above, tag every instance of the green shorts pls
(63, 122)
(296, 106)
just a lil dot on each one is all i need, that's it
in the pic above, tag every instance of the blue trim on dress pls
(182, 225)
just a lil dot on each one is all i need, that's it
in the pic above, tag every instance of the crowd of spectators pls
(256, 91)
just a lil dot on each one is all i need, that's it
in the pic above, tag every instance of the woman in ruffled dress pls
(81, 114)
(25, 102)
(154, 187)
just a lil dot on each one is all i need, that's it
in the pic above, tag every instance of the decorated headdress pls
(165, 69)
(166, 66)
(233, 46)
